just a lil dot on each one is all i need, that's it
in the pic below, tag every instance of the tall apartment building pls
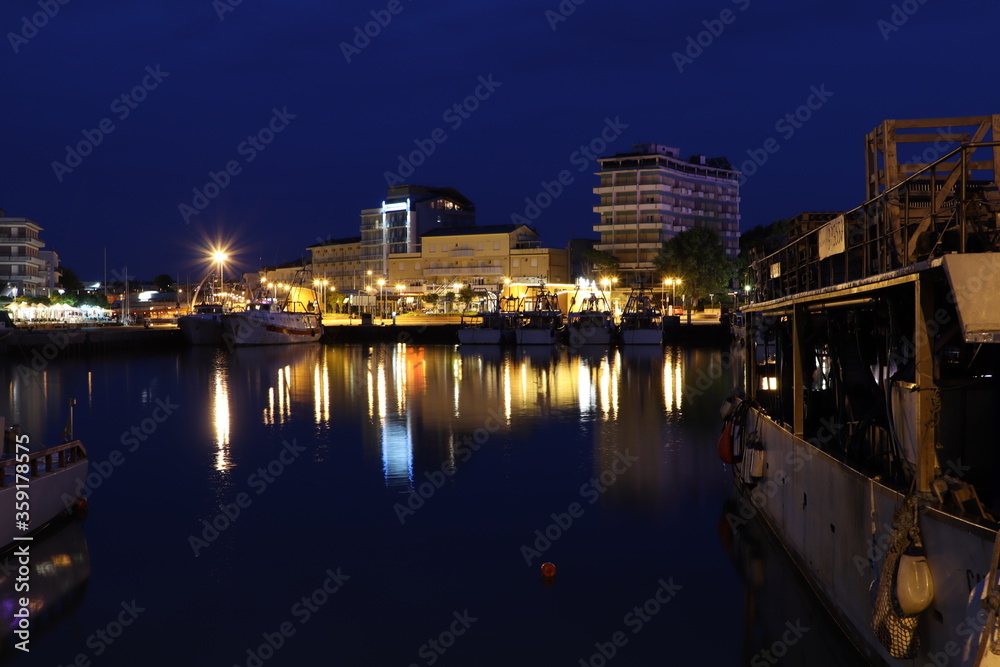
(651, 194)
(20, 267)
(408, 212)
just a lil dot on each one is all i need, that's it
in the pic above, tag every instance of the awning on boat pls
(975, 284)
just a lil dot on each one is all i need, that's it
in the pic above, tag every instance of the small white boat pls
(641, 323)
(204, 326)
(492, 326)
(539, 318)
(592, 323)
(53, 477)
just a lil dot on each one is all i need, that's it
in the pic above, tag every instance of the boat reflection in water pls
(780, 611)
(60, 569)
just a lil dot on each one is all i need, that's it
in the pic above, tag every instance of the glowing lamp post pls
(381, 296)
(220, 257)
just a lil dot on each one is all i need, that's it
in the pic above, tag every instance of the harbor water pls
(394, 504)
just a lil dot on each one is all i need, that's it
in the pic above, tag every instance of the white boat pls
(38, 485)
(590, 320)
(539, 318)
(641, 321)
(203, 326)
(868, 435)
(491, 326)
(265, 323)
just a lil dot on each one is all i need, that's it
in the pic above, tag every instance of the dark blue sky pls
(211, 83)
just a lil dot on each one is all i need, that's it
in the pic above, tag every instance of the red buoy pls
(548, 570)
(726, 443)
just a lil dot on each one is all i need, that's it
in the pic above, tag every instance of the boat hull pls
(267, 328)
(589, 333)
(479, 336)
(642, 337)
(834, 522)
(201, 329)
(527, 336)
(52, 494)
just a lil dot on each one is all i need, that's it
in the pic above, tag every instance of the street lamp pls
(381, 296)
(220, 257)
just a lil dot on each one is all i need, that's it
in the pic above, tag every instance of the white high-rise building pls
(651, 194)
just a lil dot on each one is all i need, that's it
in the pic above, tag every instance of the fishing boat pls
(38, 485)
(493, 324)
(866, 438)
(589, 320)
(203, 325)
(641, 321)
(268, 320)
(539, 318)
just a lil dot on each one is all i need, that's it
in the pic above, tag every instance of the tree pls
(599, 264)
(697, 257)
(69, 280)
(163, 282)
(466, 295)
(430, 299)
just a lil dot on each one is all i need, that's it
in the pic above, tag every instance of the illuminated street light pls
(220, 257)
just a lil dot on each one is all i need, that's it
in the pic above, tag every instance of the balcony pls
(23, 240)
(466, 271)
(461, 253)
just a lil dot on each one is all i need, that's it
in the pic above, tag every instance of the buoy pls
(914, 582)
(726, 443)
(548, 570)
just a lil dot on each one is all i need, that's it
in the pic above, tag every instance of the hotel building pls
(651, 194)
(408, 212)
(21, 270)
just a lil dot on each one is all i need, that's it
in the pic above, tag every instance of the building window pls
(516, 263)
(534, 262)
(480, 247)
(496, 245)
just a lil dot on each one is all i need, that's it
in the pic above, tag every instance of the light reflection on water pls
(375, 421)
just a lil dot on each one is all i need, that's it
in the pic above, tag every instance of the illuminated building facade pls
(21, 270)
(408, 212)
(651, 194)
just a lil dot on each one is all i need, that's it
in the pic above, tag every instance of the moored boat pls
(268, 321)
(493, 325)
(539, 318)
(866, 440)
(641, 321)
(38, 486)
(589, 320)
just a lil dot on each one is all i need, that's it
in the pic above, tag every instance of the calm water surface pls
(416, 483)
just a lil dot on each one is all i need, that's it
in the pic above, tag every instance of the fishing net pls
(896, 630)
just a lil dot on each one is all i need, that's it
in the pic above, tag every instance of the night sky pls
(536, 84)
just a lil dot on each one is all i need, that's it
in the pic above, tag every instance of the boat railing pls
(951, 205)
(44, 461)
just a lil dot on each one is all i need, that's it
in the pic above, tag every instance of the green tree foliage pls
(163, 282)
(430, 299)
(69, 280)
(697, 257)
(599, 264)
(466, 295)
